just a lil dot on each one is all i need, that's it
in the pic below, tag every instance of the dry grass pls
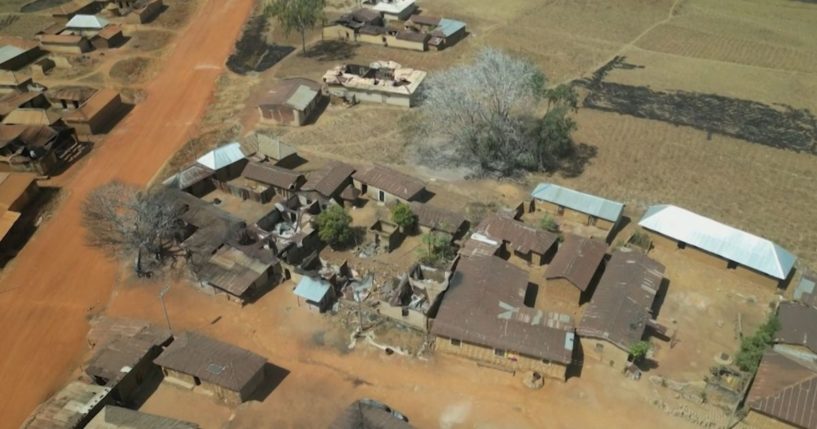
(176, 15)
(131, 70)
(23, 25)
(149, 40)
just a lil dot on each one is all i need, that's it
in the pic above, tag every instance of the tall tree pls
(130, 222)
(402, 215)
(335, 225)
(297, 15)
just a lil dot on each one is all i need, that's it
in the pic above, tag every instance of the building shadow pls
(660, 297)
(424, 196)
(145, 390)
(116, 118)
(323, 103)
(613, 235)
(155, 16)
(575, 368)
(25, 226)
(273, 376)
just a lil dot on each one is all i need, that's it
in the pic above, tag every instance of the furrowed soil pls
(52, 286)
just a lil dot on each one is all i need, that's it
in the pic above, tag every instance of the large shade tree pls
(297, 15)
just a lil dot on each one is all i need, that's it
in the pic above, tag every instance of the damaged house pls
(483, 317)
(413, 298)
(512, 237)
(36, 148)
(621, 308)
(70, 408)
(384, 82)
(289, 233)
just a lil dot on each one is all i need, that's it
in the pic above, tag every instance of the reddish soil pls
(52, 285)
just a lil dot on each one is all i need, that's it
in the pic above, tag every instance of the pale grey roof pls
(87, 21)
(449, 26)
(579, 201)
(302, 97)
(8, 52)
(714, 237)
(312, 289)
(221, 157)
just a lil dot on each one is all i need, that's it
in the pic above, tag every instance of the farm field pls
(758, 50)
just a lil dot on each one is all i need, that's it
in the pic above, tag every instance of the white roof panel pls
(302, 97)
(221, 157)
(579, 201)
(87, 21)
(714, 237)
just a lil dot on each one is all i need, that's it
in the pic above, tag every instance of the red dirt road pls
(48, 289)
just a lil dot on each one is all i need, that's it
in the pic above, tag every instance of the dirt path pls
(47, 291)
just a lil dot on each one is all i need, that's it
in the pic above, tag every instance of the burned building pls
(384, 82)
(413, 298)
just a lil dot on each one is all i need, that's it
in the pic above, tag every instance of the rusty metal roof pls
(392, 181)
(329, 180)
(437, 218)
(577, 260)
(785, 388)
(273, 175)
(522, 238)
(484, 305)
(622, 303)
(798, 325)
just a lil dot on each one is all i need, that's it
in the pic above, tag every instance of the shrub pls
(334, 225)
(402, 215)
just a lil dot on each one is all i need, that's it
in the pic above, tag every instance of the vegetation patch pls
(130, 70)
(781, 126)
(38, 5)
(252, 53)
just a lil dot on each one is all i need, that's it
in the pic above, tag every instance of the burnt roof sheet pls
(438, 218)
(211, 360)
(577, 260)
(272, 175)
(622, 303)
(786, 389)
(392, 181)
(523, 238)
(484, 305)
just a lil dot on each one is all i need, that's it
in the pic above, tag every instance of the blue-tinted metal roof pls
(221, 157)
(805, 287)
(302, 97)
(449, 26)
(312, 289)
(725, 241)
(579, 201)
(8, 52)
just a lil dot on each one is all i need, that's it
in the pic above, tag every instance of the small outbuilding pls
(575, 206)
(512, 237)
(806, 290)
(109, 37)
(368, 414)
(226, 162)
(228, 372)
(98, 114)
(316, 293)
(573, 269)
(386, 185)
(431, 218)
(290, 102)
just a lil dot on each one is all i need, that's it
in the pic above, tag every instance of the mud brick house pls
(97, 114)
(575, 206)
(112, 417)
(70, 97)
(238, 276)
(70, 408)
(385, 234)
(17, 190)
(275, 151)
(109, 37)
(316, 293)
(229, 373)
(573, 269)
(22, 100)
(798, 330)
(33, 117)
(347, 26)
(331, 183)
(621, 308)
(139, 11)
(751, 257)
(483, 317)
(65, 43)
(193, 179)
(290, 102)
(125, 362)
(85, 25)
(392, 10)
(33, 148)
(261, 181)
(443, 32)
(413, 298)
(512, 237)
(78, 7)
(431, 218)
(226, 162)
(384, 82)
(783, 393)
(369, 414)
(14, 82)
(387, 186)
(16, 53)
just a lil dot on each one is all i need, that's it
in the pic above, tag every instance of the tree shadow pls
(331, 50)
(273, 376)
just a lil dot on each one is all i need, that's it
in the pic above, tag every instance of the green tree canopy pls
(436, 250)
(639, 350)
(297, 15)
(334, 225)
(752, 347)
(402, 215)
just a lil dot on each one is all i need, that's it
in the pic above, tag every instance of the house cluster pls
(127, 357)
(18, 192)
(393, 24)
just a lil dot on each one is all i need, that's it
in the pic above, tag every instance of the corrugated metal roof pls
(221, 157)
(87, 21)
(725, 241)
(302, 97)
(579, 201)
(312, 289)
(8, 52)
(806, 291)
(449, 26)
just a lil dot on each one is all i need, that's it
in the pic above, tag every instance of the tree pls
(297, 15)
(436, 250)
(487, 111)
(130, 222)
(752, 347)
(402, 215)
(639, 350)
(334, 225)
(548, 224)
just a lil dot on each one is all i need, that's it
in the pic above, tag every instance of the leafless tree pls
(488, 110)
(131, 222)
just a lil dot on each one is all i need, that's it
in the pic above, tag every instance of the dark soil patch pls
(779, 126)
(38, 5)
(252, 53)
(130, 70)
(331, 50)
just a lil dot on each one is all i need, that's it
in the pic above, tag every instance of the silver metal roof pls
(725, 241)
(579, 201)
(312, 289)
(87, 21)
(449, 26)
(302, 97)
(8, 52)
(221, 157)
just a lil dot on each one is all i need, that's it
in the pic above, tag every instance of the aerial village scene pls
(230, 214)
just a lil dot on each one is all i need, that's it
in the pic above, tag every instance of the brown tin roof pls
(412, 36)
(272, 175)
(14, 100)
(622, 303)
(329, 180)
(111, 360)
(577, 260)
(94, 105)
(392, 181)
(425, 20)
(280, 93)
(522, 238)
(71, 93)
(12, 186)
(484, 305)
(785, 388)
(109, 31)
(437, 218)
(798, 325)
(211, 360)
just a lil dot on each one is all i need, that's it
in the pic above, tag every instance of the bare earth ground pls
(43, 317)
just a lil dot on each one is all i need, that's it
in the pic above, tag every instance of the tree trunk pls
(303, 40)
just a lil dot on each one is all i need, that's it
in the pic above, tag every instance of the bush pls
(641, 239)
(639, 350)
(547, 223)
(334, 225)
(437, 250)
(402, 215)
(752, 347)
